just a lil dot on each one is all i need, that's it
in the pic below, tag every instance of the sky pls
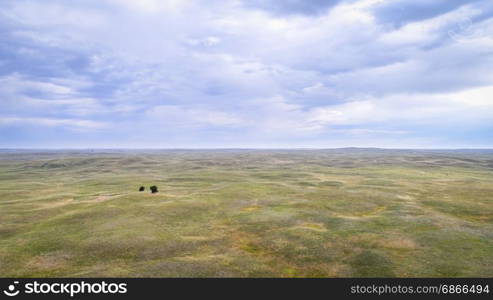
(246, 74)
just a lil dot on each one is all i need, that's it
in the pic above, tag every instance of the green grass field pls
(324, 213)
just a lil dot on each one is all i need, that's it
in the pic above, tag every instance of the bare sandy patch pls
(311, 226)
(56, 204)
(51, 261)
(399, 243)
(100, 198)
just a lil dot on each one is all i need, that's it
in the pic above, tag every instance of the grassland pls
(330, 213)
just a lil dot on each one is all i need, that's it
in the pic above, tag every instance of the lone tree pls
(153, 189)
(141, 189)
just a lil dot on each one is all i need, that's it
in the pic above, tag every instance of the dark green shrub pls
(153, 189)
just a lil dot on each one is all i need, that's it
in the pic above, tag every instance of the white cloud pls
(70, 123)
(179, 116)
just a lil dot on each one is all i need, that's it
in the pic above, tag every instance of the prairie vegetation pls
(247, 213)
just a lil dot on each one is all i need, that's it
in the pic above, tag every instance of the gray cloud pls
(292, 7)
(401, 12)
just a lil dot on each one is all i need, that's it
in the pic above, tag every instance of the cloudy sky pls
(246, 73)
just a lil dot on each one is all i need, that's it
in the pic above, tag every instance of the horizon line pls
(247, 148)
